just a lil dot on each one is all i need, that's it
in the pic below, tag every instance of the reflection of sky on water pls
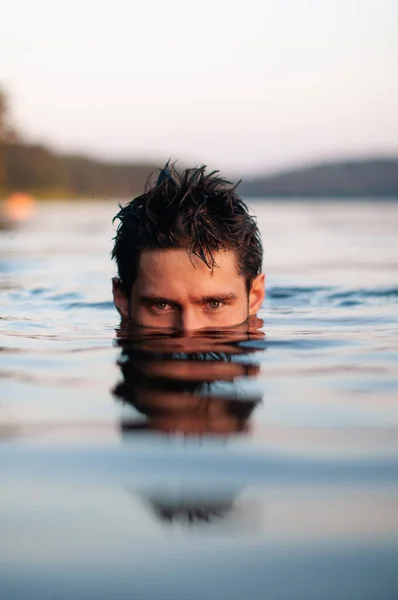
(96, 520)
(93, 539)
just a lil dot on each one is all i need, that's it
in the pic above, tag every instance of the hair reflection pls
(195, 387)
(191, 514)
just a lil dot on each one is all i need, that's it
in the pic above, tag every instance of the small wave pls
(306, 344)
(382, 292)
(66, 296)
(40, 291)
(96, 305)
(276, 293)
(349, 303)
(327, 296)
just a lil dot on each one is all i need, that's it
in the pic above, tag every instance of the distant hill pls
(45, 173)
(370, 177)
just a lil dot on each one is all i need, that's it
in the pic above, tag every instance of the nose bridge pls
(189, 319)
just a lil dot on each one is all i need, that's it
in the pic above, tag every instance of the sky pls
(240, 85)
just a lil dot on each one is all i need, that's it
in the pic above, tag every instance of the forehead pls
(178, 270)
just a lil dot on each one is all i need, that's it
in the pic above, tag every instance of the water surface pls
(257, 465)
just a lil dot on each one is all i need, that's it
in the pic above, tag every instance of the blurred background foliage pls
(41, 171)
(44, 173)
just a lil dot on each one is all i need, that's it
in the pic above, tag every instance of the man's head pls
(189, 255)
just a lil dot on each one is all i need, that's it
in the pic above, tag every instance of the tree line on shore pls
(37, 169)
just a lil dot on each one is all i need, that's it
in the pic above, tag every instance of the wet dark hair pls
(195, 210)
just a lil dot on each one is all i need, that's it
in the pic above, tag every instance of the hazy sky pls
(240, 85)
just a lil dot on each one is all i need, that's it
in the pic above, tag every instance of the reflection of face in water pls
(186, 385)
(189, 385)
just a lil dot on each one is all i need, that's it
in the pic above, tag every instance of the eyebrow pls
(224, 297)
(153, 298)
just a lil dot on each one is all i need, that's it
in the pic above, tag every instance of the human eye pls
(161, 306)
(215, 303)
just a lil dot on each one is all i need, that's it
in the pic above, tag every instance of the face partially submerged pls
(174, 289)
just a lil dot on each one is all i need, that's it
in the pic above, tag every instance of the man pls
(189, 255)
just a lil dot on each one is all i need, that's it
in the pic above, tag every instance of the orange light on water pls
(19, 207)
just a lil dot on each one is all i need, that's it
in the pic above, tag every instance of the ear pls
(120, 299)
(256, 294)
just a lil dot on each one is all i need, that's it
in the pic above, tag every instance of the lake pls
(262, 465)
